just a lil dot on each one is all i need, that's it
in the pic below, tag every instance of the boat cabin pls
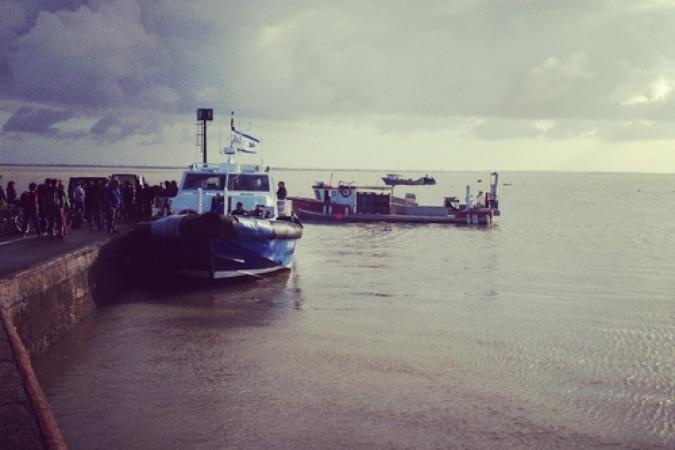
(219, 187)
(350, 199)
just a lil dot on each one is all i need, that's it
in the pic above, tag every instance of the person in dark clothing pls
(138, 201)
(218, 203)
(3, 196)
(63, 206)
(128, 201)
(113, 203)
(42, 207)
(162, 198)
(77, 196)
(153, 193)
(99, 203)
(172, 189)
(239, 210)
(281, 192)
(11, 193)
(147, 199)
(29, 206)
(51, 206)
(89, 203)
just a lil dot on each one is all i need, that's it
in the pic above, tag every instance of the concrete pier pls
(46, 288)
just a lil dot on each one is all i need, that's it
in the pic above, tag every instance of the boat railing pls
(200, 166)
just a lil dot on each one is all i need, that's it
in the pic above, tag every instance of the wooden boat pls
(345, 203)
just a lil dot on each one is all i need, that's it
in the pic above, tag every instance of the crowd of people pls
(50, 208)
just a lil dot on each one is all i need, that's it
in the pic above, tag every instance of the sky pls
(574, 85)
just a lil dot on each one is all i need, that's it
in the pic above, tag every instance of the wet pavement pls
(19, 253)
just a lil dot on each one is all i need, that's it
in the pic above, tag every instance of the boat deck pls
(311, 216)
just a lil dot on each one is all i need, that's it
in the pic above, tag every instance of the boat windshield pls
(248, 182)
(206, 181)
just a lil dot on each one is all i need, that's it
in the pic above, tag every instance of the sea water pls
(553, 329)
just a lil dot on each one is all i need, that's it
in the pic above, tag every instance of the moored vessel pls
(351, 203)
(226, 221)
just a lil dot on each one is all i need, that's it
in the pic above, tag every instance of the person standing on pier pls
(150, 199)
(138, 200)
(127, 212)
(113, 202)
(11, 193)
(51, 206)
(3, 196)
(98, 202)
(29, 205)
(88, 215)
(78, 197)
(63, 206)
(43, 215)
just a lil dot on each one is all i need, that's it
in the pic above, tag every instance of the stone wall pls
(48, 300)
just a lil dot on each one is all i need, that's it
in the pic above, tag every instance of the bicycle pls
(5, 223)
(11, 220)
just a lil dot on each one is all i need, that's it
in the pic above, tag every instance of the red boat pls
(350, 203)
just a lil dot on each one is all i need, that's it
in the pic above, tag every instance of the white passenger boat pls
(205, 236)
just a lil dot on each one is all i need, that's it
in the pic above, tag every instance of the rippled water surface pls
(555, 329)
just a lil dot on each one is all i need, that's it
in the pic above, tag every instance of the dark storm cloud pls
(85, 57)
(503, 61)
(36, 120)
(113, 129)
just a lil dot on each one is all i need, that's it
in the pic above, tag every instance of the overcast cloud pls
(488, 75)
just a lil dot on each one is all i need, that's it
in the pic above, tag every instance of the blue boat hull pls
(256, 247)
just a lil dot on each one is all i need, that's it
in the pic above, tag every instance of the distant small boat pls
(394, 179)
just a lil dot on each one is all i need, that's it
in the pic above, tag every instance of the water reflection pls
(189, 292)
(122, 361)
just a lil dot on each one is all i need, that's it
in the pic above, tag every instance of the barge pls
(345, 203)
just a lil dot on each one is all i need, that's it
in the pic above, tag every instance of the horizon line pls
(339, 169)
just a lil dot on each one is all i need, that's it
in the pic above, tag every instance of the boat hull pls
(310, 210)
(251, 247)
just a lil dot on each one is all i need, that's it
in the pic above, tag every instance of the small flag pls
(246, 141)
